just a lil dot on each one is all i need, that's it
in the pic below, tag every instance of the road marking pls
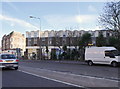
(51, 79)
(79, 75)
(87, 76)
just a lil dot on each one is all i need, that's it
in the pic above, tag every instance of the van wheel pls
(114, 64)
(90, 63)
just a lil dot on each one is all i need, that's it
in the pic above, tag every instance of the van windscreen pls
(115, 52)
(112, 53)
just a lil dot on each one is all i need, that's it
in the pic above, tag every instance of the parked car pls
(8, 61)
(102, 55)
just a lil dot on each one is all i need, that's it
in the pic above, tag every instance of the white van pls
(102, 55)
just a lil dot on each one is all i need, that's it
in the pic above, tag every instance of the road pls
(43, 73)
(20, 79)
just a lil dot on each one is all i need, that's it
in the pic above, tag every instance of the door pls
(108, 56)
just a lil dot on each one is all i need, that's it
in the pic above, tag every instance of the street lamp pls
(36, 18)
(40, 34)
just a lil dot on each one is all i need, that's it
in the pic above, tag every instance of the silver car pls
(8, 61)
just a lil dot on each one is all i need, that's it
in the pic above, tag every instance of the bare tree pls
(110, 19)
(72, 35)
(57, 39)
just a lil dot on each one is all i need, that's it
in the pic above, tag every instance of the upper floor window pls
(35, 40)
(50, 41)
(29, 39)
(35, 34)
(11, 39)
(11, 46)
(29, 42)
(43, 39)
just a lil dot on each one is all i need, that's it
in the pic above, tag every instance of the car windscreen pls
(7, 56)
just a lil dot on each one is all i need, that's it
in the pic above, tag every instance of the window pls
(11, 39)
(64, 35)
(109, 53)
(29, 41)
(28, 35)
(50, 41)
(35, 34)
(35, 40)
(108, 34)
(32, 34)
(11, 46)
(8, 56)
(115, 52)
(43, 39)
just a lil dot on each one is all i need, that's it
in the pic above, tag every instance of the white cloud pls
(12, 24)
(92, 8)
(93, 28)
(19, 22)
(62, 20)
(59, 19)
(85, 18)
(71, 21)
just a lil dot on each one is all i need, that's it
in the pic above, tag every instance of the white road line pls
(87, 76)
(51, 79)
(79, 75)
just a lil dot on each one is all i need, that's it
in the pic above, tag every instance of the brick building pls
(12, 41)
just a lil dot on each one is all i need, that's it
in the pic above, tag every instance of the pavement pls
(62, 61)
(73, 62)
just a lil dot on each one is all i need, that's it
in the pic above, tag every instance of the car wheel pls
(16, 68)
(114, 64)
(90, 63)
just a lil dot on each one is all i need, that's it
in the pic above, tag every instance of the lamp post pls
(40, 34)
(38, 19)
